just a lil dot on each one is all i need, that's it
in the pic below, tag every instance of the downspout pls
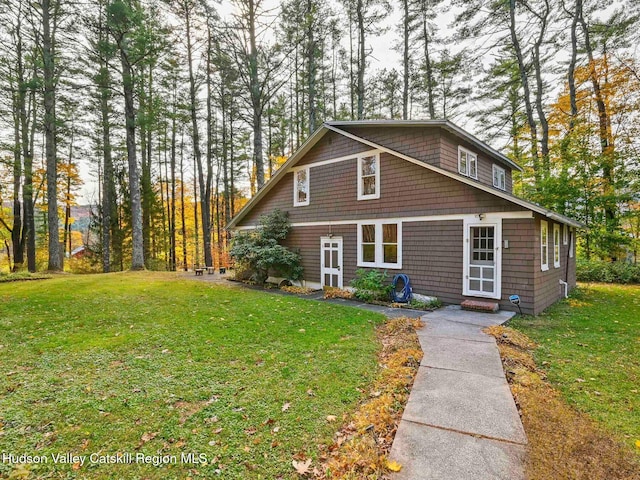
(565, 282)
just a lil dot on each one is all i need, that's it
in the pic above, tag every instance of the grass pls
(589, 348)
(147, 363)
(563, 443)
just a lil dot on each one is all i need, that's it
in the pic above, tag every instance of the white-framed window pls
(572, 242)
(565, 234)
(544, 245)
(556, 245)
(499, 177)
(467, 163)
(369, 177)
(301, 187)
(380, 244)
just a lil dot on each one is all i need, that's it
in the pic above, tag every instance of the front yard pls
(589, 347)
(149, 364)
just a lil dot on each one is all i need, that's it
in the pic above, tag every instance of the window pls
(556, 245)
(571, 242)
(565, 235)
(369, 177)
(499, 177)
(301, 187)
(467, 163)
(380, 245)
(544, 245)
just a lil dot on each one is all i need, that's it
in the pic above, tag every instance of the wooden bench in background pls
(198, 270)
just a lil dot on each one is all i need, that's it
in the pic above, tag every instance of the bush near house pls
(371, 285)
(607, 272)
(259, 252)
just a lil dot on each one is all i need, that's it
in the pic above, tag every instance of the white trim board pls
(426, 218)
(346, 158)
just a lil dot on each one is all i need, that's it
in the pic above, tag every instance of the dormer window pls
(369, 177)
(499, 177)
(467, 163)
(301, 187)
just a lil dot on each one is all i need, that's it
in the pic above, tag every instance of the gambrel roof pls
(443, 124)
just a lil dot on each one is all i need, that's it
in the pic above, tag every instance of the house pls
(424, 198)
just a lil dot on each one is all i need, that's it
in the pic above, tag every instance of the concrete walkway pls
(461, 421)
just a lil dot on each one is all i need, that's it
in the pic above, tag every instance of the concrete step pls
(480, 306)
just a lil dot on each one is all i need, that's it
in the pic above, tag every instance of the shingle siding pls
(547, 286)
(449, 161)
(432, 250)
(406, 190)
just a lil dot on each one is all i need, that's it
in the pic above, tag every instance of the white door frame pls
(332, 269)
(466, 256)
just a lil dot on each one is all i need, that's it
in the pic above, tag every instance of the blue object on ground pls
(404, 295)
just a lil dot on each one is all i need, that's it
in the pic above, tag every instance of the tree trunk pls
(205, 183)
(544, 124)
(311, 66)
(16, 230)
(48, 73)
(362, 61)
(572, 65)
(185, 265)
(255, 92)
(405, 60)
(28, 137)
(427, 61)
(526, 91)
(137, 256)
(606, 137)
(172, 227)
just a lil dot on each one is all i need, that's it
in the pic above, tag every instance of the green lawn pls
(590, 349)
(148, 363)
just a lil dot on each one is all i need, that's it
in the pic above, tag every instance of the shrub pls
(258, 252)
(371, 285)
(608, 272)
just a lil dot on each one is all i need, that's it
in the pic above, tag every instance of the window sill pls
(544, 268)
(301, 204)
(369, 197)
(392, 266)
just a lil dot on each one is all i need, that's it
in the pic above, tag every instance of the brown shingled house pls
(424, 198)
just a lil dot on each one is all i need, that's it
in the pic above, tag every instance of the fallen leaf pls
(247, 449)
(637, 443)
(76, 466)
(580, 380)
(394, 466)
(310, 393)
(148, 436)
(286, 406)
(217, 431)
(331, 418)
(275, 429)
(301, 467)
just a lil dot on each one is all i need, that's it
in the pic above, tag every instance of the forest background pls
(162, 118)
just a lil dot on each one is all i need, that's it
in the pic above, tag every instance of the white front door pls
(331, 261)
(482, 259)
